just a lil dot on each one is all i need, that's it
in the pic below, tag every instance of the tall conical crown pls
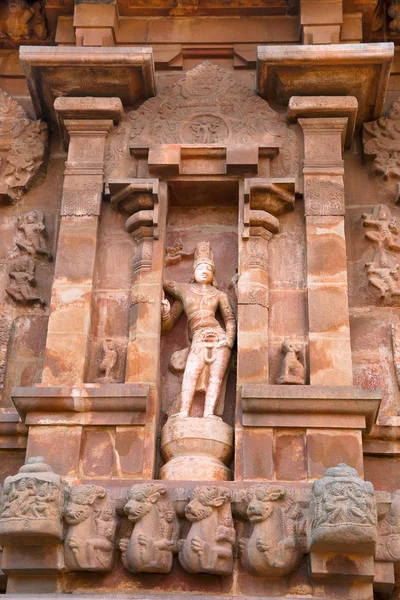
(203, 254)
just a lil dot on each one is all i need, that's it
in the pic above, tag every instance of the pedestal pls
(196, 449)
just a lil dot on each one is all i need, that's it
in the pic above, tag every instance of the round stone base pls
(196, 449)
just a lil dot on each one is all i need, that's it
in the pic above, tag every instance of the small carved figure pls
(384, 278)
(389, 532)
(208, 546)
(155, 534)
(109, 361)
(31, 503)
(343, 512)
(384, 228)
(292, 368)
(90, 541)
(22, 280)
(24, 20)
(273, 549)
(382, 141)
(210, 350)
(32, 234)
(394, 14)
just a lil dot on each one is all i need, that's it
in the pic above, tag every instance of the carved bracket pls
(264, 200)
(139, 199)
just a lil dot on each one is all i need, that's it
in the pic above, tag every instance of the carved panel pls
(23, 146)
(31, 505)
(154, 538)
(381, 140)
(21, 20)
(208, 545)
(90, 541)
(343, 513)
(276, 543)
(383, 269)
(206, 106)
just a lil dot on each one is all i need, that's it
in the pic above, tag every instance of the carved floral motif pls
(31, 504)
(273, 548)
(292, 368)
(155, 533)
(24, 143)
(90, 541)
(343, 512)
(208, 545)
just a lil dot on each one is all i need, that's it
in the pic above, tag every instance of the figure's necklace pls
(199, 291)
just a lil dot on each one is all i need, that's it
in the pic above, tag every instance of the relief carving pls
(381, 140)
(388, 548)
(208, 545)
(31, 234)
(206, 362)
(154, 538)
(23, 148)
(109, 362)
(383, 270)
(90, 541)
(207, 106)
(22, 282)
(6, 323)
(31, 505)
(273, 548)
(395, 333)
(24, 21)
(292, 368)
(343, 512)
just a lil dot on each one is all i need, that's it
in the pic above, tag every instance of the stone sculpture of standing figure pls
(210, 344)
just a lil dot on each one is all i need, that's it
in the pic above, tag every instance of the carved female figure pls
(210, 344)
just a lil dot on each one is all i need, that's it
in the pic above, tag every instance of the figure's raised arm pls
(170, 314)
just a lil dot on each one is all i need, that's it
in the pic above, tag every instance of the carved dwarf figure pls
(208, 546)
(22, 280)
(24, 20)
(273, 549)
(381, 140)
(292, 369)
(109, 361)
(343, 512)
(32, 234)
(211, 345)
(384, 228)
(155, 533)
(31, 504)
(90, 541)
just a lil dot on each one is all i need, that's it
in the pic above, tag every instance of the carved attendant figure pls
(32, 228)
(155, 534)
(109, 361)
(208, 546)
(210, 343)
(22, 280)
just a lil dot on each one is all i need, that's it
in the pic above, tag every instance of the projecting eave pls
(359, 70)
(123, 72)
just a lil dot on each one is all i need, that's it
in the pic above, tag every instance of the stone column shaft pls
(70, 316)
(328, 312)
